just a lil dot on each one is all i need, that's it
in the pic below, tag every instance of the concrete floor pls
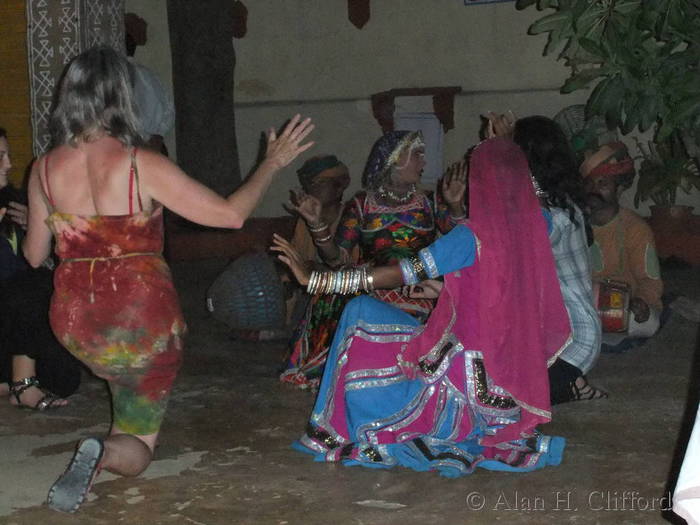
(224, 455)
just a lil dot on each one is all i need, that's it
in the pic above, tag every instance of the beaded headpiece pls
(385, 154)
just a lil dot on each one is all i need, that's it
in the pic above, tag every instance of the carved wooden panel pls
(58, 30)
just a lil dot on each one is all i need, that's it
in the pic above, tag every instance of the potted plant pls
(666, 167)
(643, 59)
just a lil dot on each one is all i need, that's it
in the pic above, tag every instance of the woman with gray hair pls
(114, 307)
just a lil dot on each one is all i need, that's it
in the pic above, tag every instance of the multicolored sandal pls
(70, 490)
(17, 388)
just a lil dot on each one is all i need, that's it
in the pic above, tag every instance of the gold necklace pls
(384, 193)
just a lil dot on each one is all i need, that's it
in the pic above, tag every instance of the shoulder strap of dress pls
(134, 175)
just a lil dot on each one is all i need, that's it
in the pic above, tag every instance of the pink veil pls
(508, 305)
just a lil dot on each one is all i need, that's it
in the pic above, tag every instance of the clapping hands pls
(500, 125)
(282, 150)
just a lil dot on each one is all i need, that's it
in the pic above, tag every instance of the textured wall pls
(305, 56)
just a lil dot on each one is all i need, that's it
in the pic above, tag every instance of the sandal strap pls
(17, 388)
(46, 402)
(587, 392)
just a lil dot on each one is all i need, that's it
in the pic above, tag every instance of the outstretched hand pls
(282, 150)
(454, 183)
(291, 257)
(308, 206)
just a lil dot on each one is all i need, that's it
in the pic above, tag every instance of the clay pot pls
(670, 218)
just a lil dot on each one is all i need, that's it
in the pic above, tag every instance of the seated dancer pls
(389, 220)
(324, 178)
(323, 181)
(469, 387)
(623, 249)
(114, 306)
(560, 190)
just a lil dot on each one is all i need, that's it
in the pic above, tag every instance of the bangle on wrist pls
(323, 240)
(343, 282)
(463, 214)
(317, 228)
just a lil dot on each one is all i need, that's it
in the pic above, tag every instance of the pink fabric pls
(508, 305)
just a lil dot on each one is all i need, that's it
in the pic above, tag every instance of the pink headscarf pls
(508, 304)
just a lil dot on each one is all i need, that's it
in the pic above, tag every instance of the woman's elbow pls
(33, 260)
(235, 221)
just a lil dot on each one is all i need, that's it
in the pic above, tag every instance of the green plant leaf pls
(556, 37)
(665, 131)
(581, 80)
(553, 22)
(522, 4)
(627, 6)
(595, 105)
(686, 109)
(592, 47)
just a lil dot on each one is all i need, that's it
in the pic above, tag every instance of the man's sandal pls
(587, 392)
(17, 388)
(70, 490)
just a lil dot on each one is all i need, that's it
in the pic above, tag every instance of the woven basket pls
(248, 295)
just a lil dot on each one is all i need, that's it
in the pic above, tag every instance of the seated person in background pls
(34, 368)
(324, 178)
(623, 249)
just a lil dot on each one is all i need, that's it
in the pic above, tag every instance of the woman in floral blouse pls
(391, 219)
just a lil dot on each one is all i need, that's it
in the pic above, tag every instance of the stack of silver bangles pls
(343, 282)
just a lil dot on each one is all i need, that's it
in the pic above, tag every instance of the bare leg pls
(23, 367)
(4, 389)
(126, 454)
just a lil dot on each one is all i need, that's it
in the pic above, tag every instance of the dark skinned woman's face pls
(328, 190)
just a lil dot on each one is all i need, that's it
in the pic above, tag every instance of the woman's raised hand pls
(290, 256)
(284, 149)
(308, 206)
(501, 125)
(454, 183)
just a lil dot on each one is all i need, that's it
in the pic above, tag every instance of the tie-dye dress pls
(115, 308)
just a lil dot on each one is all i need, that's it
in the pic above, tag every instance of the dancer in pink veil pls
(470, 386)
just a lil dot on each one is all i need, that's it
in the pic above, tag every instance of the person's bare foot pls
(32, 396)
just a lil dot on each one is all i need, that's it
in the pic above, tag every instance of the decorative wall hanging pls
(473, 2)
(58, 30)
(443, 104)
(358, 12)
(240, 19)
